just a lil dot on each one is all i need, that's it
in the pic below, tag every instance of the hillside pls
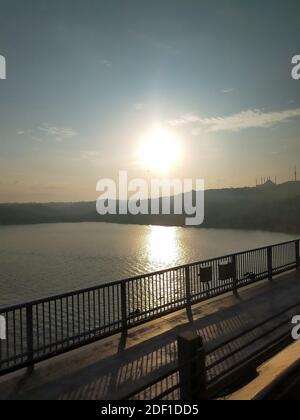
(274, 208)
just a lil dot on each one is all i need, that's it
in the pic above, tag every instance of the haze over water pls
(42, 260)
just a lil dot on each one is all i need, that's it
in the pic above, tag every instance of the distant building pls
(267, 183)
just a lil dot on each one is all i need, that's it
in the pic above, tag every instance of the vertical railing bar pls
(61, 320)
(89, 311)
(50, 324)
(67, 318)
(21, 336)
(37, 328)
(99, 310)
(187, 286)
(55, 322)
(29, 333)
(14, 333)
(124, 306)
(44, 326)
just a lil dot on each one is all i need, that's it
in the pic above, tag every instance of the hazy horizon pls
(92, 200)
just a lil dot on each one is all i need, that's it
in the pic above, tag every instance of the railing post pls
(235, 280)
(270, 262)
(297, 254)
(29, 333)
(124, 306)
(192, 371)
(187, 286)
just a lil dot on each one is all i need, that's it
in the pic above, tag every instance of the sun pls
(159, 150)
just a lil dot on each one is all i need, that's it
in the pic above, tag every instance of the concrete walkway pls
(113, 367)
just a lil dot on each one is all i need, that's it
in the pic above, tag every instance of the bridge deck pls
(113, 367)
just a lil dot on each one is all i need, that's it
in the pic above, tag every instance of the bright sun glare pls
(159, 150)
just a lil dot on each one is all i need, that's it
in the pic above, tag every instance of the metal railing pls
(43, 328)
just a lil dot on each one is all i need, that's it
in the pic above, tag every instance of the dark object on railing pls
(226, 271)
(192, 373)
(249, 276)
(135, 313)
(206, 274)
(44, 328)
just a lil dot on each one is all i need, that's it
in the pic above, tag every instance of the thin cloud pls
(89, 154)
(139, 106)
(98, 158)
(106, 63)
(49, 132)
(58, 133)
(24, 132)
(243, 120)
(157, 44)
(92, 156)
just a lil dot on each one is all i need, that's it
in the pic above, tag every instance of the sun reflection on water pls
(163, 246)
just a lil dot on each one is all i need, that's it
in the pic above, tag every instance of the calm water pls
(43, 260)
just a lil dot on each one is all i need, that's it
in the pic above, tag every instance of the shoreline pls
(239, 228)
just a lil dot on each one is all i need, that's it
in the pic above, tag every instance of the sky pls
(86, 80)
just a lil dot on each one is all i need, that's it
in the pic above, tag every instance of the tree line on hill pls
(275, 208)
